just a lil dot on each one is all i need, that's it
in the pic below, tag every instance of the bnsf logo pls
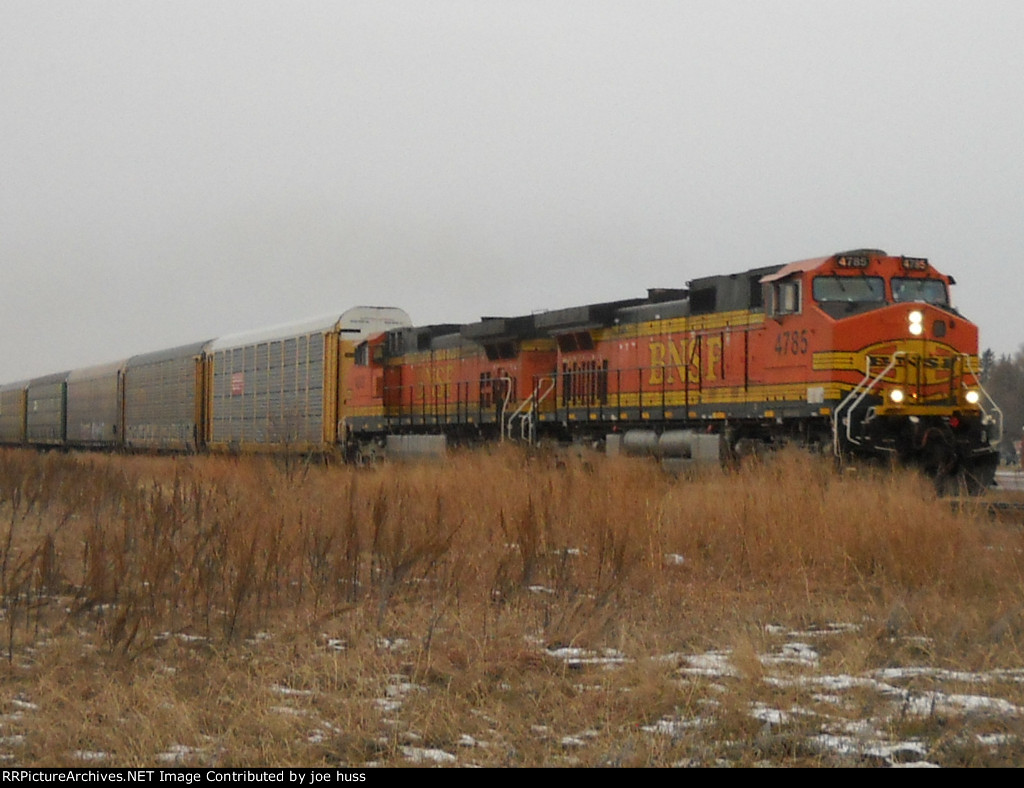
(929, 362)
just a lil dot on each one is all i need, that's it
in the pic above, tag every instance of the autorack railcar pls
(46, 406)
(13, 413)
(280, 388)
(95, 412)
(164, 401)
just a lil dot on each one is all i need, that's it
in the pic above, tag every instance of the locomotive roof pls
(801, 266)
(795, 268)
(433, 330)
(728, 292)
(411, 338)
(654, 310)
(580, 318)
(496, 329)
(447, 341)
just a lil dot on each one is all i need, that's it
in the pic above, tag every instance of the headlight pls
(896, 395)
(916, 319)
(972, 397)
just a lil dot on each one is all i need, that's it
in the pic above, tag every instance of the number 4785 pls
(791, 343)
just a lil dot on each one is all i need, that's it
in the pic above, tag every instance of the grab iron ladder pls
(526, 412)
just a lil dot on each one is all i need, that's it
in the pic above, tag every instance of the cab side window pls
(784, 298)
(369, 356)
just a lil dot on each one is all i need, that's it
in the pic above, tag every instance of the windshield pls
(931, 291)
(849, 289)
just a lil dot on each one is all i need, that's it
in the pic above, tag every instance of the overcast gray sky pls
(174, 171)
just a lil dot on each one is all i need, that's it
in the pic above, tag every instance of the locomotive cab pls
(901, 365)
(363, 376)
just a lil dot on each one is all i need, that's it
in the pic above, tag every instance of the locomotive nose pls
(923, 321)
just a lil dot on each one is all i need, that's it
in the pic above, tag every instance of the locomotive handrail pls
(507, 380)
(537, 400)
(860, 391)
(525, 409)
(432, 404)
(968, 369)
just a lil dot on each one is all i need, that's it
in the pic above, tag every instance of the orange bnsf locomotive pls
(860, 353)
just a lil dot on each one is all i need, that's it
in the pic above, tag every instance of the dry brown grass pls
(210, 610)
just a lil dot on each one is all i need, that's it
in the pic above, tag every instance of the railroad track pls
(1016, 507)
(1004, 511)
(1006, 501)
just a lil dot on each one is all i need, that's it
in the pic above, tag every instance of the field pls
(501, 609)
